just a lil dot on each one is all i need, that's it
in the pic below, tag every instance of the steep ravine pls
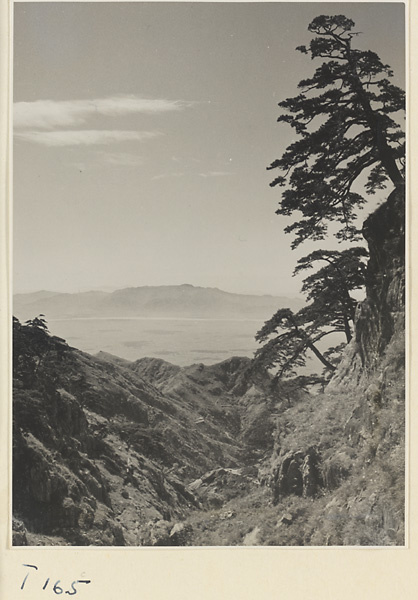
(101, 455)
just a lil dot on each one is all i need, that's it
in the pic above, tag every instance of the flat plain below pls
(182, 341)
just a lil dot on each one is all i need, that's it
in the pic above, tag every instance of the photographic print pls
(208, 274)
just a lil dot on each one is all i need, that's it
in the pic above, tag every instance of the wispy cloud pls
(105, 157)
(166, 175)
(216, 174)
(84, 137)
(121, 159)
(52, 114)
(193, 174)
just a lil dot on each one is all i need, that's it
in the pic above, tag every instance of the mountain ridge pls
(171, 300)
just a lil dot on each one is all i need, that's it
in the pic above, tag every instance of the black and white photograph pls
(208, 337)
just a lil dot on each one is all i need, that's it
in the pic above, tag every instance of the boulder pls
(297, 473)
(180, 534)
(18, 533)
(286, 519)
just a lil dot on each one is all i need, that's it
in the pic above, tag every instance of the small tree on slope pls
(329, 290)
(287, 337)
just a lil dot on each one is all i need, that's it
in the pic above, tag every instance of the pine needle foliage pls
(287, 337)
(344, 121)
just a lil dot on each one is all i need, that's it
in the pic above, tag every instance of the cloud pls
(84, 137)
(182, 174)
(165, 175)
(103, 158)
(121, 159)
(52, 114)
(215, 174)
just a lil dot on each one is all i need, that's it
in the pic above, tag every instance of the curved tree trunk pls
(347, 329)
(320, 356)
(384, 151)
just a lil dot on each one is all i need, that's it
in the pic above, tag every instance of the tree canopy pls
(348, 142)
(38, 322)
(329, 289)
(343, 120)
(288, 337)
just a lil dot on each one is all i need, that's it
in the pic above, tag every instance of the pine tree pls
(287, 337)
(329, 289)
(350, 100)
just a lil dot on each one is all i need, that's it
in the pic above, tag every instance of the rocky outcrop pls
(358, 424)
(18, 533)
(215, 488)
(297, 473)
(165, 533)
(382, 313)
(384, 309)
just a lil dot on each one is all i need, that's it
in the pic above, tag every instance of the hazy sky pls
(142, 136)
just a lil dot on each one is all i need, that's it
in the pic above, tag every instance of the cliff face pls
(381, 317)
(383, 312)
(356, 476)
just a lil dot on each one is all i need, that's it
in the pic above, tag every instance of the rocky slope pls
(346, 447)
(203, 456)
(382, 315)
(100, 454)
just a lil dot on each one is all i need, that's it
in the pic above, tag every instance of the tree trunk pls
(373, 119)
(320, 356)
(347, 329)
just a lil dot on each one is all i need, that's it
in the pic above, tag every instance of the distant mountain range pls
(174, 301)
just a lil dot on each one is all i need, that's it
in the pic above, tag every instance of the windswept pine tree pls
(288, 336)
(347, 119)
(329, 289)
